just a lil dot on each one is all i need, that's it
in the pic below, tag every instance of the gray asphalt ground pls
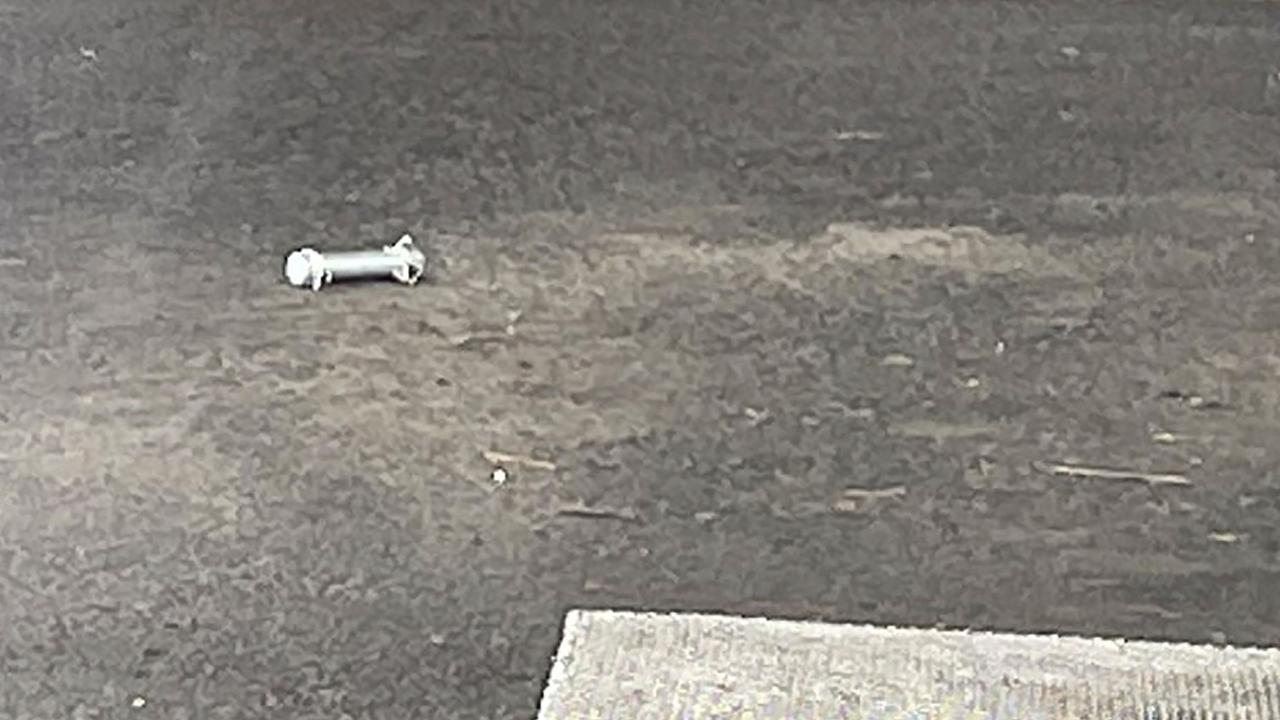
(805, 309)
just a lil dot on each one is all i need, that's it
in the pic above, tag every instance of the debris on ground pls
(856, 499)
(898, 360)
(1192, 401)
(1101, 473)
(499, 459)
(479, 342)
(513, 317)
(580, 510)
(1271, 90)
(307, 267)
(499, 476)
(941, 431)
(861, 135)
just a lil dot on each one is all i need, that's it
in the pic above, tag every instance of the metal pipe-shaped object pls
(403, 262)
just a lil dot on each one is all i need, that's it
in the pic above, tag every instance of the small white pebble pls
(89, 54)
(1165, 438)
(1249, 238)
(898, 360)
(499, 476)
(1070, 52)
(1000, 347)
(861, 135)
(139, 702)
(863, 413)
(1224, 537)
(972, 383)
(513, 317)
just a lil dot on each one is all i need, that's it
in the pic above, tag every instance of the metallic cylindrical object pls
(402, 262)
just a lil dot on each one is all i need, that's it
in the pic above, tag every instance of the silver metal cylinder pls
(361, 264)
(402, 262)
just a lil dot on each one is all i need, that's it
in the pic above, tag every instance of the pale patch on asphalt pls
(1164, 209)
(939, 430)
(842, 245)
(966, 248)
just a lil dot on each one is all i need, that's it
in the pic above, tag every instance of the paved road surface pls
(675, 278)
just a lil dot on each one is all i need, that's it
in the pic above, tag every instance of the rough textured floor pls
(692, 272)
(651, 665)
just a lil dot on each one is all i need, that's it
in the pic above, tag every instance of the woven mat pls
(640, 665)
